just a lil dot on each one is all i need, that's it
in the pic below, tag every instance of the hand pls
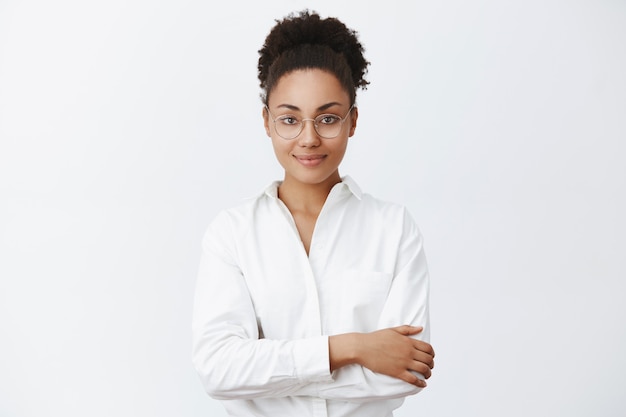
(392, 352)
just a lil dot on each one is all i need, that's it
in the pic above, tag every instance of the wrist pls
(343, 350)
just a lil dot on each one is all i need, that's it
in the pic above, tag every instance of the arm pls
(231, 360)
(392, 362)
(389, 351)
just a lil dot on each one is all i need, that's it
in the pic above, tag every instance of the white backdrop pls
(126, 125)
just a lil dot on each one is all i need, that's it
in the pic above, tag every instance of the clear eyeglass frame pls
(317, 122)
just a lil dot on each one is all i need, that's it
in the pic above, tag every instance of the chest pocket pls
(362, 297)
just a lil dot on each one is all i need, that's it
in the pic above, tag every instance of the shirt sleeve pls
(406, 303)
(228, 355)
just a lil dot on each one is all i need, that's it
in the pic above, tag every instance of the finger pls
(422, 369)
(425, 358)
(424, 347)
(408, 330)
(411, 378)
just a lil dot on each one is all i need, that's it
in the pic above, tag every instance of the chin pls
(316, 179)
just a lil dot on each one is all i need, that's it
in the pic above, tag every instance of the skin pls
(311, 165)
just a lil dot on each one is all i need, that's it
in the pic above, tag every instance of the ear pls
(353, 118)
(266, 121)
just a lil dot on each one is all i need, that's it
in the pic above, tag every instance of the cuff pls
(311, 359)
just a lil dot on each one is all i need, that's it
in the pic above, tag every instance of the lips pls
(310, 160)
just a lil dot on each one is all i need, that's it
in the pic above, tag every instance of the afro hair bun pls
(307, 28)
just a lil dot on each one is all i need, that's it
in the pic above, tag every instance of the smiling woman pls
(312, 298)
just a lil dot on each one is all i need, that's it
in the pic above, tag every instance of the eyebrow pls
(320, 108)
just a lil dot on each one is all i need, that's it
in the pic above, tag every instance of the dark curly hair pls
(307, 41)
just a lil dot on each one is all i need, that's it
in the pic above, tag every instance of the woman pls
(312, 298)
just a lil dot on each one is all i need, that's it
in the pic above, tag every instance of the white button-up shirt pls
(263, 309)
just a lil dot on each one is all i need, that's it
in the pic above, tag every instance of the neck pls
(304, 197)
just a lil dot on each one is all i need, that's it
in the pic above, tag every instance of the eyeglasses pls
(328, 126)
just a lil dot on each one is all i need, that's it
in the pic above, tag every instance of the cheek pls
(340, 149)
(281, 148)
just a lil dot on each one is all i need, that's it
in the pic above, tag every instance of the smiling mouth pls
(310, 160)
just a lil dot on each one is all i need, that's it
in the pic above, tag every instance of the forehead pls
(308, 89)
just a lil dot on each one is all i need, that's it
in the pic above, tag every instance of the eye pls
(288, 120)
(328, 119)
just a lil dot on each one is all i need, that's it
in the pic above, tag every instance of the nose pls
(308, 137)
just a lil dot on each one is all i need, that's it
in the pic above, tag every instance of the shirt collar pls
(347, 184)
(272, 189)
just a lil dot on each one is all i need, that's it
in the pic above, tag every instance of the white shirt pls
(263, 309)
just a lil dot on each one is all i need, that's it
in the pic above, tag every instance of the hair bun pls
(308, 27)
